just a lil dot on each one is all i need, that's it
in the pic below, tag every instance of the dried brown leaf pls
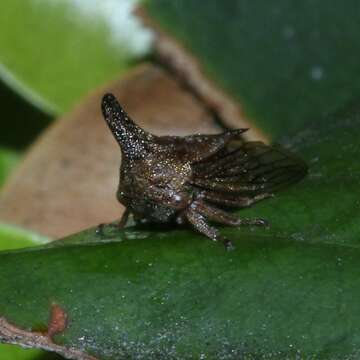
(68, 179)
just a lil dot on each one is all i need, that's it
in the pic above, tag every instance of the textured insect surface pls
(195, 179)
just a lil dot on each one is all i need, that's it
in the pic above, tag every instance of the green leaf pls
(54, 52)
(8, 160)
(290, 291)
(287, 63)
(10, 352)
(12, 238)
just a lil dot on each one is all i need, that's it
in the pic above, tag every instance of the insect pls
(195, 179)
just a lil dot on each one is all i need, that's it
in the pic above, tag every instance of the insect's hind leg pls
(223, 217)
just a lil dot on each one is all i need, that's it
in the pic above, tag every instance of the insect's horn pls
(115, 116)
(126, 132)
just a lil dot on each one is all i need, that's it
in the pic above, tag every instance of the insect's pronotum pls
(195, 179)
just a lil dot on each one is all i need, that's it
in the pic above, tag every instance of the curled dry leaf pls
(67, 181)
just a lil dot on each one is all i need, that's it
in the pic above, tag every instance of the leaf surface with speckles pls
(12, 238)
(287, 291)
(286, 63)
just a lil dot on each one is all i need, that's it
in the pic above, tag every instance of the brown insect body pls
(191, 179)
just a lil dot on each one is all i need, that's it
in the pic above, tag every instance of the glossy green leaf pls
(10, 352)
(53, 52)
(13, 352)
(287, 63)
(13, 238)
(290, 291)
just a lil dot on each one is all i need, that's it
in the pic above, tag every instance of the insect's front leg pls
(121, 224)
(124, 219)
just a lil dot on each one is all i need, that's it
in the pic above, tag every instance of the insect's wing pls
(247, 169)
(195, 148)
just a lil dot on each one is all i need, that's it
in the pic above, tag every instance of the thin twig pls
(11, 334)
